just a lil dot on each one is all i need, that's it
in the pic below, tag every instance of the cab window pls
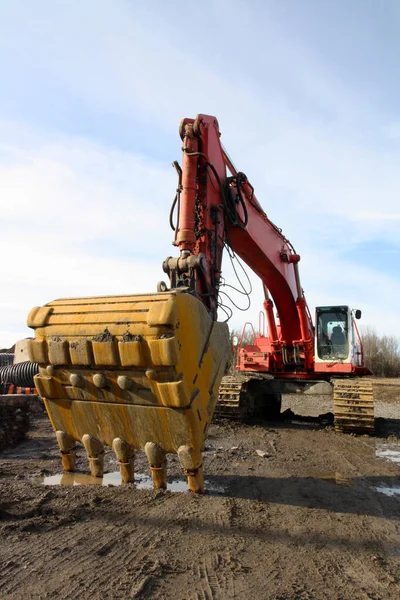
(332, 334)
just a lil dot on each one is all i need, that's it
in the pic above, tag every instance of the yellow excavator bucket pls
(135, 372)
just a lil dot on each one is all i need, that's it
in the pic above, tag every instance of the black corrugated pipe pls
(6, 358)
(19, 374)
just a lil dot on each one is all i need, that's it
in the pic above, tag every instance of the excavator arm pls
(142, 372)
(216, 209)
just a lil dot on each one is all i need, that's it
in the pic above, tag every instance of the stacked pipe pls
(20, 374)
(6, 359)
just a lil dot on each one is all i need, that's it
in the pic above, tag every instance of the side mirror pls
(235, 341)
(357, 314)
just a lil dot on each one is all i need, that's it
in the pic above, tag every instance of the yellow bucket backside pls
(133, 372)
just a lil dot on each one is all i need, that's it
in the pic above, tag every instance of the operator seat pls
(338, 338)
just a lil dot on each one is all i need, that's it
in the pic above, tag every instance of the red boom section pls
(261, 247)
(214, 209)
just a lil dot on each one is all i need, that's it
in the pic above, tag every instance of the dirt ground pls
(317, 517)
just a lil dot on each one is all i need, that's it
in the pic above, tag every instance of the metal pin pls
(125, 383)
(99, 380)
(151, 374)
(76, 380)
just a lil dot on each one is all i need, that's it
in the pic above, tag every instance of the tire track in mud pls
(216, 577)
(102, 561)
(22, 523)
(92, 566)
(211, 574)
(208, 580)
(128, 549)
(91, 574)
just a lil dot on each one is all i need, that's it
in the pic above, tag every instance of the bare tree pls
(381, 353)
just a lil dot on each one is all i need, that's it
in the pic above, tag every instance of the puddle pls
(80, 479)
(142, 481)
(336, 478)
(388, 491)
(389, 452)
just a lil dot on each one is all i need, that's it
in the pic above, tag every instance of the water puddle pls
(390, 452)
(142, 481)
(335, 478)
(388, 491)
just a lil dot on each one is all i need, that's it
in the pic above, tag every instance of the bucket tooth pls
(95, 453)
(191, 463)
(126, 460)
(67, 450)
(158, 465)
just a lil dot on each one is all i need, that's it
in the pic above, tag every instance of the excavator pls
(144, 372)
(256, 390)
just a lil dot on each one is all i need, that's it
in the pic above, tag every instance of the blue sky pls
(307, 97)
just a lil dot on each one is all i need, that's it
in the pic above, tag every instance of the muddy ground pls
(316, 518)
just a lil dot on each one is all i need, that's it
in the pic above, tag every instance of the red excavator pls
(143, 372)
(256, 390)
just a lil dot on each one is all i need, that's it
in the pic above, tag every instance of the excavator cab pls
(339, 356)
(337, 339)
(332, 333)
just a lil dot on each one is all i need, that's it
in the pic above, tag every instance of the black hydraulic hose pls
(230, 203)
(171, 214)
(177, 199)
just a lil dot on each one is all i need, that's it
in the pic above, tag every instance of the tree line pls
(381, 353)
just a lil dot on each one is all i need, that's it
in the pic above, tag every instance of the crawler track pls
(353, 406)
(244, 397)
(232, 403)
